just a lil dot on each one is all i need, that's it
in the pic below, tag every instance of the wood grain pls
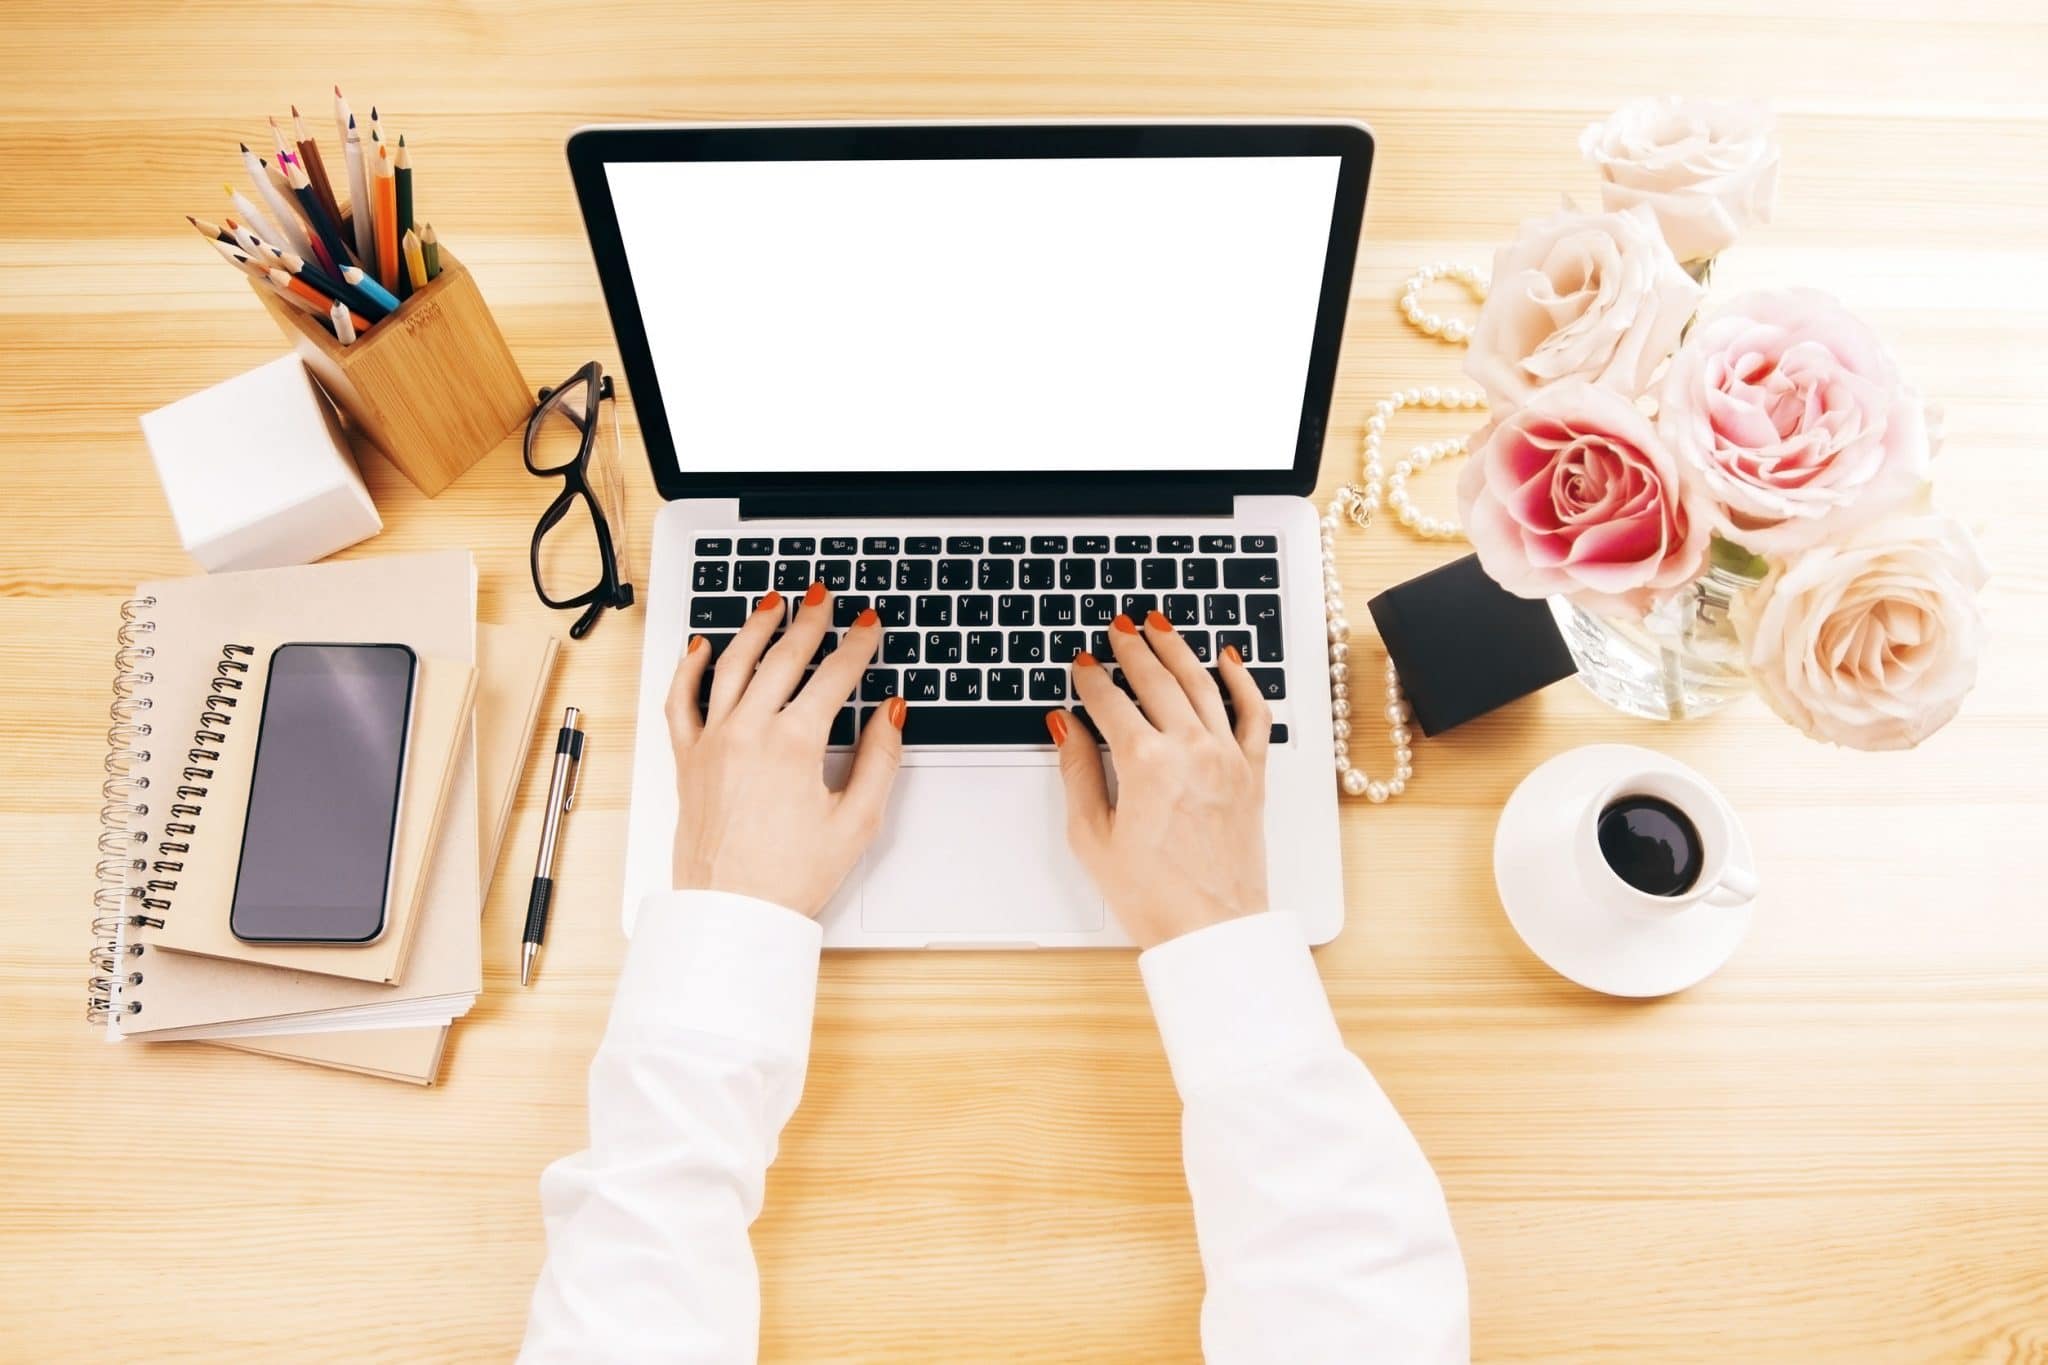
(1836, 1150)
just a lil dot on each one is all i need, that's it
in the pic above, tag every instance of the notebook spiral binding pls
(134, 889)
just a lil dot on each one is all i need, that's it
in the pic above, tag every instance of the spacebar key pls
(932, 725)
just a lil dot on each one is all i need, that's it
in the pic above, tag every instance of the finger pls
(782, 671)
(1179, 659)
(1114, 715)
(875, 762)
(735, 667)
(833, 684)
(684, 722)
(1254, 717)
(1165, 701)
(1081, 772)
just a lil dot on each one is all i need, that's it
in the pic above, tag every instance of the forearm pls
(1323, 1231)
(701, 1066)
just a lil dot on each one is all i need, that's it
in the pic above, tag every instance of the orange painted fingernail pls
(1125, 624)
(697, 642)
(1056, 723)
(867, 618)
(896, 710)
(1230, 653)
(814, 594)
(1085, 660)
(772, 602)
(1158, 622)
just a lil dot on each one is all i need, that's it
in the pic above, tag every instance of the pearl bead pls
(1340, 708)
(1355, 783)
(1431, 396)
(1397, 786)
(1376, 424)
(1339, 652)
(1383, 410)
(1340, 629)
(1339, 672)
(1340, 730)
(1403, 771)
(1406, 513)
(1457, 330)
(1403, 755)
(1403, 735)
(1375, 792)
(1403, 468)
(1412, 397)
(1375, 472)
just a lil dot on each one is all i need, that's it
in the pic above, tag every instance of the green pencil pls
(430, 250)
(401, 166)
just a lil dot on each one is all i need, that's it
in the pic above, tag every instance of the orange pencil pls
(384, 189)
(285, 280)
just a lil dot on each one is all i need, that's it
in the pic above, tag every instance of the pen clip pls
(575, 773)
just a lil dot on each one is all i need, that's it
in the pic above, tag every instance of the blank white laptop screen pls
(1103, 314)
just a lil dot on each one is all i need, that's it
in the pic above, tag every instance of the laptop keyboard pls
(979, 630)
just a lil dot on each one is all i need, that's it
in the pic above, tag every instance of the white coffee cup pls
(1721, 882)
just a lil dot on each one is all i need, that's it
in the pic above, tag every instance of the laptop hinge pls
(1070, 502)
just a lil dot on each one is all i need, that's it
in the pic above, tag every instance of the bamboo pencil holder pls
(433, 384)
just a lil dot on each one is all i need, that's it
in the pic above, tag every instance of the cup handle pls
(1738, 884)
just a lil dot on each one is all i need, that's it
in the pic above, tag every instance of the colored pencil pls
(415, 263)
(359, 196)
(213, 230)
(309, 309)
(430, 248)
(325, 234)
(343, 119)
(284, 279)
(339, 289)
(401, 172)
(344, 331)
(255, 219)
(242, 261)
(285, 228)
(316, 170)
(386, 191)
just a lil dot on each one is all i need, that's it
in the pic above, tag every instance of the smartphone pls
(323, 803)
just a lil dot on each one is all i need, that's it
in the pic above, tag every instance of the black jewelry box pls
(1464, 645)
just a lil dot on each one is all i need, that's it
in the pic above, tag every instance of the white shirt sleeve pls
(1323, 1231)
(701, 1066)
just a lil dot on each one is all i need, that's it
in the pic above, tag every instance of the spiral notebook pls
(170, 641)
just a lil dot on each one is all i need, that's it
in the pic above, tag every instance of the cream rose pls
(1706, 168)
(1871, 643)
(1592, 296)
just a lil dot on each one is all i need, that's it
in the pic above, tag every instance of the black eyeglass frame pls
(610, 590)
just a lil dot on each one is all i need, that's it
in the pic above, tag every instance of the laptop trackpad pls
(980, 853)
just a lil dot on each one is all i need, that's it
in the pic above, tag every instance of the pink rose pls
(1574, 494)
(1794, 416)
(1706, 168)
(1593, 296)
(1873, 642)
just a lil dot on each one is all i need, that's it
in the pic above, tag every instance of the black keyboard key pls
(1006, 545)
(1182, 608)
(1242, 639)
(1220, 609)
(894, 610)
(963, 684)
(1119, 573)
(714, 545)
(1176, 545)
(921, 684)
(1048, 545)
(709, 613)
(880, 545)
(1198, 641)
(1134, 545)
(1158, 573)
(1026, 647)
(1098, 644)
(996, 575)
(836, 574)
(797, 545)
(792, 575)
(750, 575)
(1048, 684)
(1006, 684)
(935, 611)
(955, 574)
(977, 611)
(872, 575)
(1091, 545)
(841, 734)
(1014, 609)
(879, 684)
(841, 545)
(1056, 609)
(717, 644)
(899, 647)
(757, 547)
(1272, 682)
(1260, 545)
(1279, 734)
(1198, 573)
(913, 575)
(1219, 545)
(1098, 608)
(976, 725)
(1035, 575)
(921, 545)
(942, 646)
(845, 608)
(1139, 605)
(1262, 610)
(708, 577)
(984, 647)
(1066, 644)
(1077, 573)
(963, 545)
(1251, 573)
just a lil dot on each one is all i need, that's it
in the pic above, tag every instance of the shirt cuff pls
(716, 963)
(1236, 996)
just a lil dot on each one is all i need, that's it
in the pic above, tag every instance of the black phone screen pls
(323, 801)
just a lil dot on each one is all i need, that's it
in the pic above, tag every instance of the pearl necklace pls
(1360, 504)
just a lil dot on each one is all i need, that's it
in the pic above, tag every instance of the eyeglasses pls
(579, 553)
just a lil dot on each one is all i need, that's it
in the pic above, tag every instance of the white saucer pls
(1614, 951)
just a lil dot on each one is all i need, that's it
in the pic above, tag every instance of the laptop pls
(1000, 382)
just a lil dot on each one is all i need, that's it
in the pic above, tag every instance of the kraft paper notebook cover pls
(427, 601)
(443, 695)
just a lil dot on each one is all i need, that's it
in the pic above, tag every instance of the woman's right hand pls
(1184, 846)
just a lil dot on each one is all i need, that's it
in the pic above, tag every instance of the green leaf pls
(1731, 558)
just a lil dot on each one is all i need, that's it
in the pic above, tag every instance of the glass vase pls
(1680, 660)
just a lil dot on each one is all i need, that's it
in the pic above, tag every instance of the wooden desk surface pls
(1837, 1149)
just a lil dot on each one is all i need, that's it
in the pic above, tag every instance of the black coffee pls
(1651, 845)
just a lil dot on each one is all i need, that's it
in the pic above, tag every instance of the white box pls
(258, 473)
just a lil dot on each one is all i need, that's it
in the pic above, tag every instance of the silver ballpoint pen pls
(561, 796)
